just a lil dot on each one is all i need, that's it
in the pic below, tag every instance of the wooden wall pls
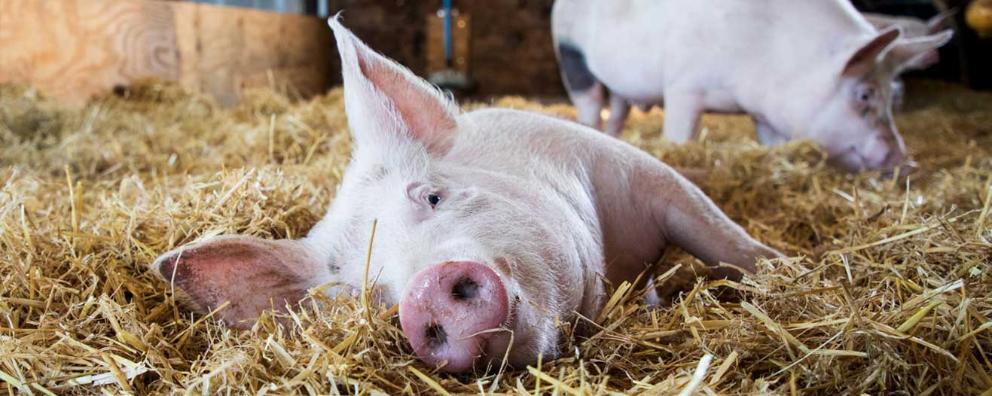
(511, 50)
(73, 49)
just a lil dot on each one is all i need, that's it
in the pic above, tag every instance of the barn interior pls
(132, 127)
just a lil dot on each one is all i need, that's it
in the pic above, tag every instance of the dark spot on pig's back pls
(574, 68)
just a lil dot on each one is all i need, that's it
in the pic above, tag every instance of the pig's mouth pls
(854, 161)
(498, 346)
(850, 159)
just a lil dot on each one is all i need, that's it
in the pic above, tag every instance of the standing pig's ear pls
(251, 274)
(941, 21)
(918, 51)
(866, 58)
(385, 101)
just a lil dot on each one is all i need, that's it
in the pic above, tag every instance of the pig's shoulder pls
(521, 124)
(500, 130)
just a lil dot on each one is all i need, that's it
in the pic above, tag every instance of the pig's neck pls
(792, 108)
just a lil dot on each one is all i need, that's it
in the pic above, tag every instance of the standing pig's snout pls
(882, 151)
(449, 311)
(896, 154)
(893, 159)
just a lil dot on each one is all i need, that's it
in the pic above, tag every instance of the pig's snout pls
(878, 151)
(450, 311)
(884, 151)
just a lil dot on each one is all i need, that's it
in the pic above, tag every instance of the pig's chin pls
(520, 345)
(503, 343)
(850, 160)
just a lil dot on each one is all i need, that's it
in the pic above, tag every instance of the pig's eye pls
(865, 93)
(421, 193)
(433, 200)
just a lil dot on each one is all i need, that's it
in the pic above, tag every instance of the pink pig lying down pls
(490, 224)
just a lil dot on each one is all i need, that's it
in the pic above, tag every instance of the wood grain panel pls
(225, 52)
(73, 49)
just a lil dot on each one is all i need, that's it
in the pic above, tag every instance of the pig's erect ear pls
(916, 52)
(942, 21)
(867, 57)
(251, 274)
(386, 102)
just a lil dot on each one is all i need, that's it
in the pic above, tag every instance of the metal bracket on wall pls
(307, 7)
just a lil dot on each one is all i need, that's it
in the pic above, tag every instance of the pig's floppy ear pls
(867, 57)
(385, 101)
(914, 52)
(252, 274)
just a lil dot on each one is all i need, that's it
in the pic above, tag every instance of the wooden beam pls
(73, 49)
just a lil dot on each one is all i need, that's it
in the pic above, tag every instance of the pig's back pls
(590, 172)
(525, 144)
(641, 48)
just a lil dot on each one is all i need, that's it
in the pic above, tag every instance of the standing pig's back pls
(639, 48)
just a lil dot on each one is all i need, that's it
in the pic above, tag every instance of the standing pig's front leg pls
(767, 135)
(690, 220)
(682, 110)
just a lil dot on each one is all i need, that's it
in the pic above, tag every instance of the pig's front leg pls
(767, 135)
(682, 110)
(690, 220)
(619, 109)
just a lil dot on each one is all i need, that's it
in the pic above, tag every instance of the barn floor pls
(889, 290)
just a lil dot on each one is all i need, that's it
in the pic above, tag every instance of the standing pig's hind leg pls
(585, 91)
(619, 110)
(588, 105)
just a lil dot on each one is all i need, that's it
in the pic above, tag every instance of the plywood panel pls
(225, 52)
(72, 49)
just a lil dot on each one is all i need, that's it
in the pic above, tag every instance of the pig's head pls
(477, 263)
(852, 119)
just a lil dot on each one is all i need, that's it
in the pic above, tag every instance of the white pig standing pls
(801, 68)
(493, 219)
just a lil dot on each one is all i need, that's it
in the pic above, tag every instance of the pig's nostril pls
(465, 289)
(435, 335)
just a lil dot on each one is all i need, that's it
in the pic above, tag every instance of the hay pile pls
(889, 289)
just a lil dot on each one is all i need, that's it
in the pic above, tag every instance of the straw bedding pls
(887, 290)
